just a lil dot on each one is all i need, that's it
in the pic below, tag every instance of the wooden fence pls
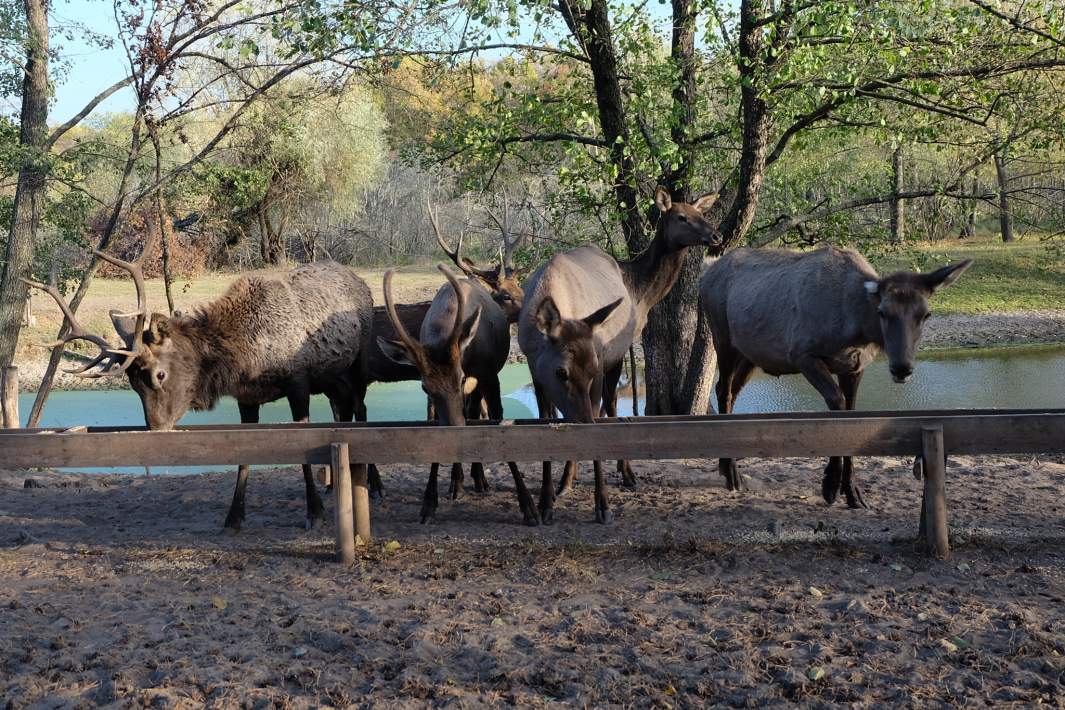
(931, 434)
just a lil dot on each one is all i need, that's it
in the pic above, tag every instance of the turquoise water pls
(1006, 378)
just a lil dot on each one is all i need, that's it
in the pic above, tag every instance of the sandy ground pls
(120, 591)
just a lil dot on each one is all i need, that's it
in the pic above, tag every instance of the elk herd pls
(315, 330)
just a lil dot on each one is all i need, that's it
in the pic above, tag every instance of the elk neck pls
(651, 275)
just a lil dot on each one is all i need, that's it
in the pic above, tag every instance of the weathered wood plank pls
(937, 530)
(360, 496)
(712, 437)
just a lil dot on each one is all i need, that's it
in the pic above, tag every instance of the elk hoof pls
(830, 488)
(312, 522)
(531, 518)
(854, 498)
(547, 517)
(563, 489)
(377, 493)
(231, 529)
(603, 516)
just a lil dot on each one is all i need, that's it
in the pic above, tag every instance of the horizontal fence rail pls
(928, 434)
(731, 436)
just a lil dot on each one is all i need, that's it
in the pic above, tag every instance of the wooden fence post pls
(935, 492)
(9, 398)
(345, 524)
(361, 502)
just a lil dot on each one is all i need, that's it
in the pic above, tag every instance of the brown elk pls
(824, 314)
(582, 312)
(463, 343)
(269, 336)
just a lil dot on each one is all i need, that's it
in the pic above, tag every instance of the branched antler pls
(112, 361)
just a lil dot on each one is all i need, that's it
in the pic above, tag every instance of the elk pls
(292, 334)
(502, 280)
(581, 313)
(823, 313)
(463, 343)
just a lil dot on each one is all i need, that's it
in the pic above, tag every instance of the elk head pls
(684, 225)
(158, 372)
(501, 280)
(569, 371)
(901, 302)
(438, 361)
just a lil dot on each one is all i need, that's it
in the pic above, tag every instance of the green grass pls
(1023, 276)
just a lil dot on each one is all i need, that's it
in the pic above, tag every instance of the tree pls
(30, 192)
(627, 113)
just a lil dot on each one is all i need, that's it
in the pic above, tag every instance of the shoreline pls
(942, 334)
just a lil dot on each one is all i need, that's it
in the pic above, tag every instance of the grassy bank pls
(1004, 278)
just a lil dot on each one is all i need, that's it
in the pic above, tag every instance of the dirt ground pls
(120, 591)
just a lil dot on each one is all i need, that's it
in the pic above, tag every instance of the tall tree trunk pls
(271, 244)
(30, 191)
(898, 207)
(1005, 217)
(675, 383)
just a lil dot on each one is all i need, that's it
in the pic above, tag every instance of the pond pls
(1017, 377)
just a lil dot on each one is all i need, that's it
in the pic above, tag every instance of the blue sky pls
(92, 68)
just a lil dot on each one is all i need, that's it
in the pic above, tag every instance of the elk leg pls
(569, 475)
(373, 476)
(610, 408)
(300, 404)
(249, 414)
(430, 499)
(456, 489)
(817, 374)
(474, 410)
(525, 501)
(726, 372)
(602, 506)
(849, 385)
(547, 490)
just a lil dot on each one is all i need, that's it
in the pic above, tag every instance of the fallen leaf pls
(299, 652)
(815, 673)
(670, 690)
(947, 646)
(359, 542)
(219, 603)
(815, 592)
(959, 642)
(963, 567)
(392, 546)
(497, 621)
(897, 567)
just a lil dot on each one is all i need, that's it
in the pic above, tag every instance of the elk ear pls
(601, 315)
(395, 351)
(663, 200)
(124, 326)
(468, 329)
(946, 275)
(548, 319)
(704, 203)
(159, 330)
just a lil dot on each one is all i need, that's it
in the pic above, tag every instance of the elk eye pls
(562, 374)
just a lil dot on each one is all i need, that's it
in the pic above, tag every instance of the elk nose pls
(901, 373)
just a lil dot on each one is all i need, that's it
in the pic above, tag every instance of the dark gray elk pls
(581, 313)
(463, 343)
(823, 314)
(291, 334)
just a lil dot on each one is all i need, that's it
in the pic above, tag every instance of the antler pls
(460, 296)
(464, 264)
(108, 357)
(413, 345)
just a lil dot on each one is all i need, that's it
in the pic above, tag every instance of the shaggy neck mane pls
(207, 333)
(651, 275)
